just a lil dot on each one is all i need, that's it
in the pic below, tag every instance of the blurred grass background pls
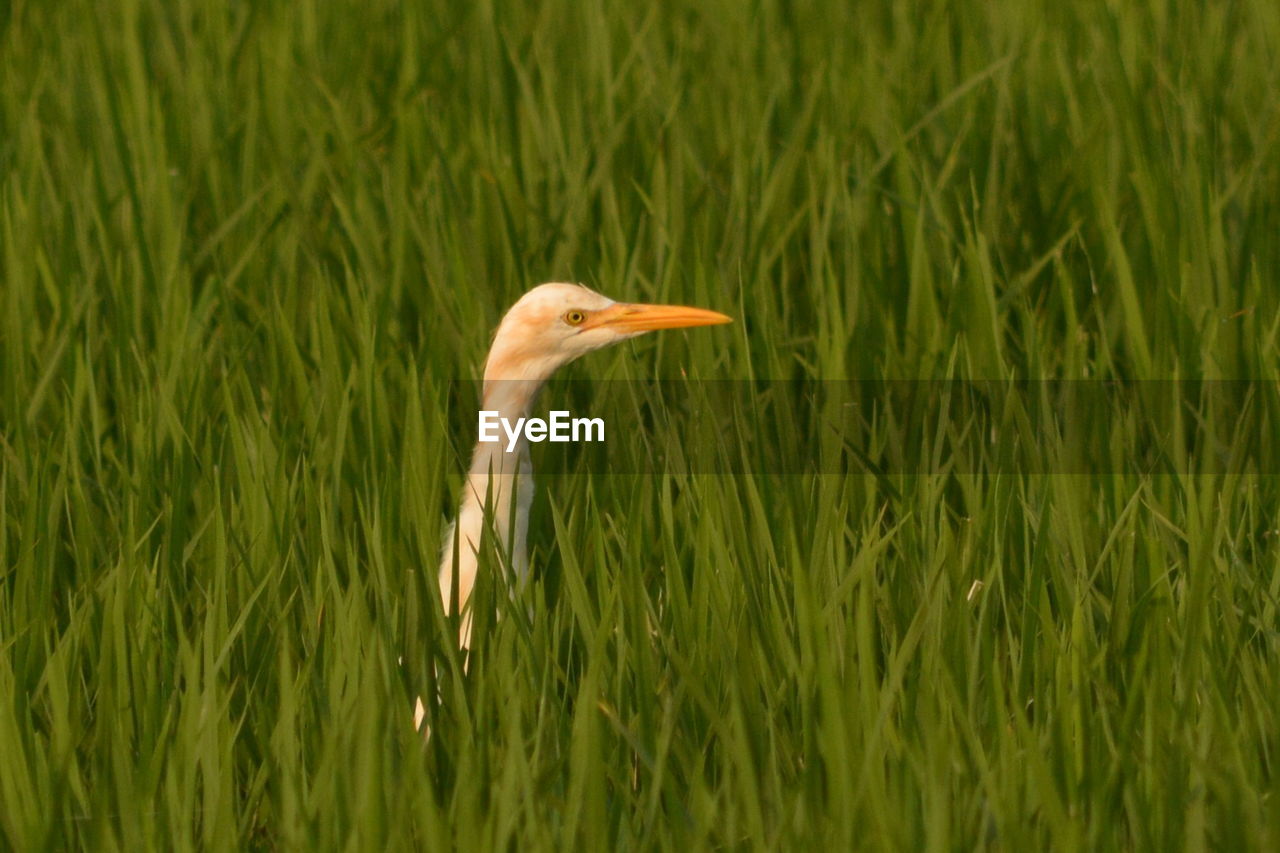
(246, 249)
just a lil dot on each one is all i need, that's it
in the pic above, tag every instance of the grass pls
(247, 250)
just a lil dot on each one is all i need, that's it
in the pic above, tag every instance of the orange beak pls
(633, 318)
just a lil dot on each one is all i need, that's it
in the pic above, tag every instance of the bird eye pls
(575, 317)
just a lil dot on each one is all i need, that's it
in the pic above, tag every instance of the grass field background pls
(247, 249)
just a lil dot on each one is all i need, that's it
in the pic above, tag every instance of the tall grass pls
(247, 249)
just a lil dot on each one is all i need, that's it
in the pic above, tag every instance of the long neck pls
(496, 499)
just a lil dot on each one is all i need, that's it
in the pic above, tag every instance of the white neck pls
(501, 482)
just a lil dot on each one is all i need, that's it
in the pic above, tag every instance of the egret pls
(548, 327)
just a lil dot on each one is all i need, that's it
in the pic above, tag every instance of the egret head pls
(553, 324)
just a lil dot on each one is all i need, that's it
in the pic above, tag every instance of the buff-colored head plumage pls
(555, 323)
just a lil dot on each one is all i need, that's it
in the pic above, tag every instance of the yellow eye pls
(575, 317)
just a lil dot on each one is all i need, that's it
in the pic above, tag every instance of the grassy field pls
(247, 250)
